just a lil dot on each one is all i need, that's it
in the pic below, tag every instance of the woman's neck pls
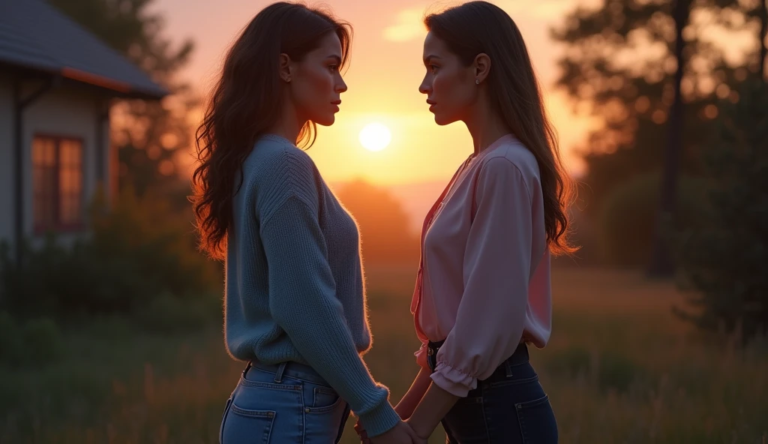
(485, 126)
(288, 125)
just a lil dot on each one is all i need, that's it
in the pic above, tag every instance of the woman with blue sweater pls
(294, 303)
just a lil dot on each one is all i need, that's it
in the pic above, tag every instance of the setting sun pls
(375, 137)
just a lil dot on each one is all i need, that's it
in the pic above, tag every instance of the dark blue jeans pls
(510, 407)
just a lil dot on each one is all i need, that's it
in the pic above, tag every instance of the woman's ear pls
(285, 68)
(482, 67)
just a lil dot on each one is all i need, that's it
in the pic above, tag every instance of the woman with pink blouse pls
(483, 288)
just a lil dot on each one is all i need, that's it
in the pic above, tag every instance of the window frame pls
(58, 225)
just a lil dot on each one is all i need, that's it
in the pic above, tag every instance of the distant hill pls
(415, 198)
(387, 219)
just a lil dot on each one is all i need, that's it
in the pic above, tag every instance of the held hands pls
(362, 433)
(405, 431)
(402, 433)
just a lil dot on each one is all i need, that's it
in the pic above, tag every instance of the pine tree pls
(723, 262)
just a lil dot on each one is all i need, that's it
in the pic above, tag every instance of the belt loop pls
(508, 367)
(279, 372)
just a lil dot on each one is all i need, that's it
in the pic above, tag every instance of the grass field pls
(619, 369)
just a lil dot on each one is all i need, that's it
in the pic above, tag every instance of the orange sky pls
(383, 81)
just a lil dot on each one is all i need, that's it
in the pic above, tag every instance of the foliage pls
(151, 137)
(137, 251)
(627, 223)
(619, 65)
(724, 260)
(22, 343)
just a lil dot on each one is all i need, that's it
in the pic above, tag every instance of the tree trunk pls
(763, 32)
(662, 264)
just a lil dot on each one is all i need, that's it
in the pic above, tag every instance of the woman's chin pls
(442, 120)
(326, 120)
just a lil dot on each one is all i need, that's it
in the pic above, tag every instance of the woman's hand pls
(422, 432)
(364, 439)
(360, 430)
(413, 396)
(407, 404)
(435, 404)
(402, 433)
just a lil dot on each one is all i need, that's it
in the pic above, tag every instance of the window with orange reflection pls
(57, 183)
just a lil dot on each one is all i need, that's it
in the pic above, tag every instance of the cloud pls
(409, 26)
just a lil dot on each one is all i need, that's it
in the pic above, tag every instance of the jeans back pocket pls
(325, 417)
(243, 426)
(224, 419)
(324, 397)
(537, 421)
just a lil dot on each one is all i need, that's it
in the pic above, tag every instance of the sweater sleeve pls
(303, 302)
(497, 265)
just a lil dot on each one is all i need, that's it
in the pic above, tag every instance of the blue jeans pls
(510, 407)
(287, 403)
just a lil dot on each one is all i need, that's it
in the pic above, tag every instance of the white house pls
(56, 85)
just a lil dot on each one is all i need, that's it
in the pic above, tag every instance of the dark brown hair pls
(246, 103)
(480, 27)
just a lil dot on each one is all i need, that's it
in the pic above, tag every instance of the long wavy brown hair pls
(245, 103)
(480, 27)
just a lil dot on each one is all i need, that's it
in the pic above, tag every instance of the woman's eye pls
(334, 68)
(433, 68)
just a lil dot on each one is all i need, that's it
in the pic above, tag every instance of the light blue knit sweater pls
(294, 280)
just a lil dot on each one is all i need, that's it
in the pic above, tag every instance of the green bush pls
(42, 338)
(608, 370)
(569, 362)
(26, 342)
(136, 252)
(169, 314)
(628, 218)
(10, 343)
(55, 279)
(617, 372)
(724, 260)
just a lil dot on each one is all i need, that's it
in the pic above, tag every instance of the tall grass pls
(619, 369)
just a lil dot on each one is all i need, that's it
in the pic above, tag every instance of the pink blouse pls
(483, 284)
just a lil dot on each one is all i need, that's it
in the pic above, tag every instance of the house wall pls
(6, 157)
(62, 111)
(66, 113)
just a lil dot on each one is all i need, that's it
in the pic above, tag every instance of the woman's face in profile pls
(449, 85)
(316, 84)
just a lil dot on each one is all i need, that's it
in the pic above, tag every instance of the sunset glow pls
(375, 137)
(383, 77)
